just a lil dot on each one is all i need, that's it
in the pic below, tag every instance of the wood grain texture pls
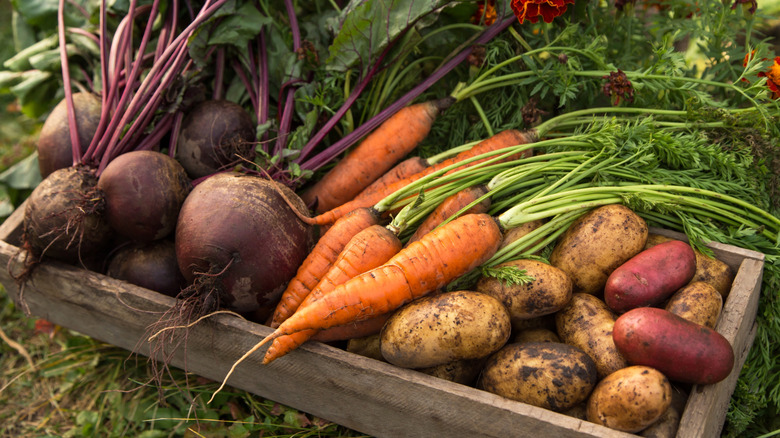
(363, 394)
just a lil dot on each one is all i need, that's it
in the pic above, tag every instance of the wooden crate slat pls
(360, 393)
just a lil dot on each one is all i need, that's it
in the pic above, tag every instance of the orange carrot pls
(402, 170)
(375, 155)
(432, 262)
(320, 259)
(369, 248)
(503, 139)
(357, 329)
(452, 205)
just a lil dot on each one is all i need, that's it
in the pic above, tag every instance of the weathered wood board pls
(363, 394)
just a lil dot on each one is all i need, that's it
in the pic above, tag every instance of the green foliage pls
(509, 275)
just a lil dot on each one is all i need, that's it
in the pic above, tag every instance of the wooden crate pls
(363, 394)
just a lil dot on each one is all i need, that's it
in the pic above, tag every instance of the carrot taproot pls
(432, 262)
(357, 329)
(375, 155)
(402, 170)
(452, 205)
(320, 259)
(368, 249)
(501, 140)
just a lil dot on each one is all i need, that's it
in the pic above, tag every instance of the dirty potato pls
(439, 329)
(667, 425)
(630, 399)
(367, 346)
(513, 234)
(536, 335)
(553, 376)
(549, 291)
(463, 371)
(597, 243)
(715, 272)
(587, 323)
(698, 302)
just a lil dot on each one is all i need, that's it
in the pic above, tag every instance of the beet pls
(54, 146)
(214, 134)
(151, 265)
(64, 217)
(236, 236)
(144, 191)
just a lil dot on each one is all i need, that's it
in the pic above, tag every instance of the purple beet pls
(144, 191)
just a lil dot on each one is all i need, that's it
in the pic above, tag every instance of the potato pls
(516, 233)
(546, 294)
(438, 329)
(550, 375)
(597, 243)
(697, 302)
(579, 411)
(650, 277)
(708, 269)
(667, 425)
(630, 399)
(536, 335)
(715, 272)
(684, 351)
(586, 323)
(367, 346)
(545, 321)
(464, 371)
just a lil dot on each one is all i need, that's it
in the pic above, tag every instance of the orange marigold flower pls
(773, 78)
(531, 10)
(486, 9)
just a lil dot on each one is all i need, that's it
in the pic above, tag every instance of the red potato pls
(684, 351)
(650, 277)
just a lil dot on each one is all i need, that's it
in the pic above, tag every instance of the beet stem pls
(72, 124)
(340, 146)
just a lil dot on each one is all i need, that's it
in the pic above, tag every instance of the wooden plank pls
(360, 393)
(11, 228)
(707, 405)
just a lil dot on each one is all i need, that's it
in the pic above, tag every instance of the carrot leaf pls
(509, 275)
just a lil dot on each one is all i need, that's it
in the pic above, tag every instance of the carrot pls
(320, 259)
(368, 249)
(402, 170)
(375, 155)
(503, 139)
(452, 205)
(432, 262)
(357, 329)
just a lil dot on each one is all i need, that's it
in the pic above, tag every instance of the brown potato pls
(708, 269)
(546, 294)
(464, 371)
(439, 329)
(536, 335)
(715, 272)
(516, 233)
(586, 323)
(545, 321)
(667, 425)
(554, 376)
(579, 411)
(630, 399)
(367, 346)
(597, 243)
(698, 302)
